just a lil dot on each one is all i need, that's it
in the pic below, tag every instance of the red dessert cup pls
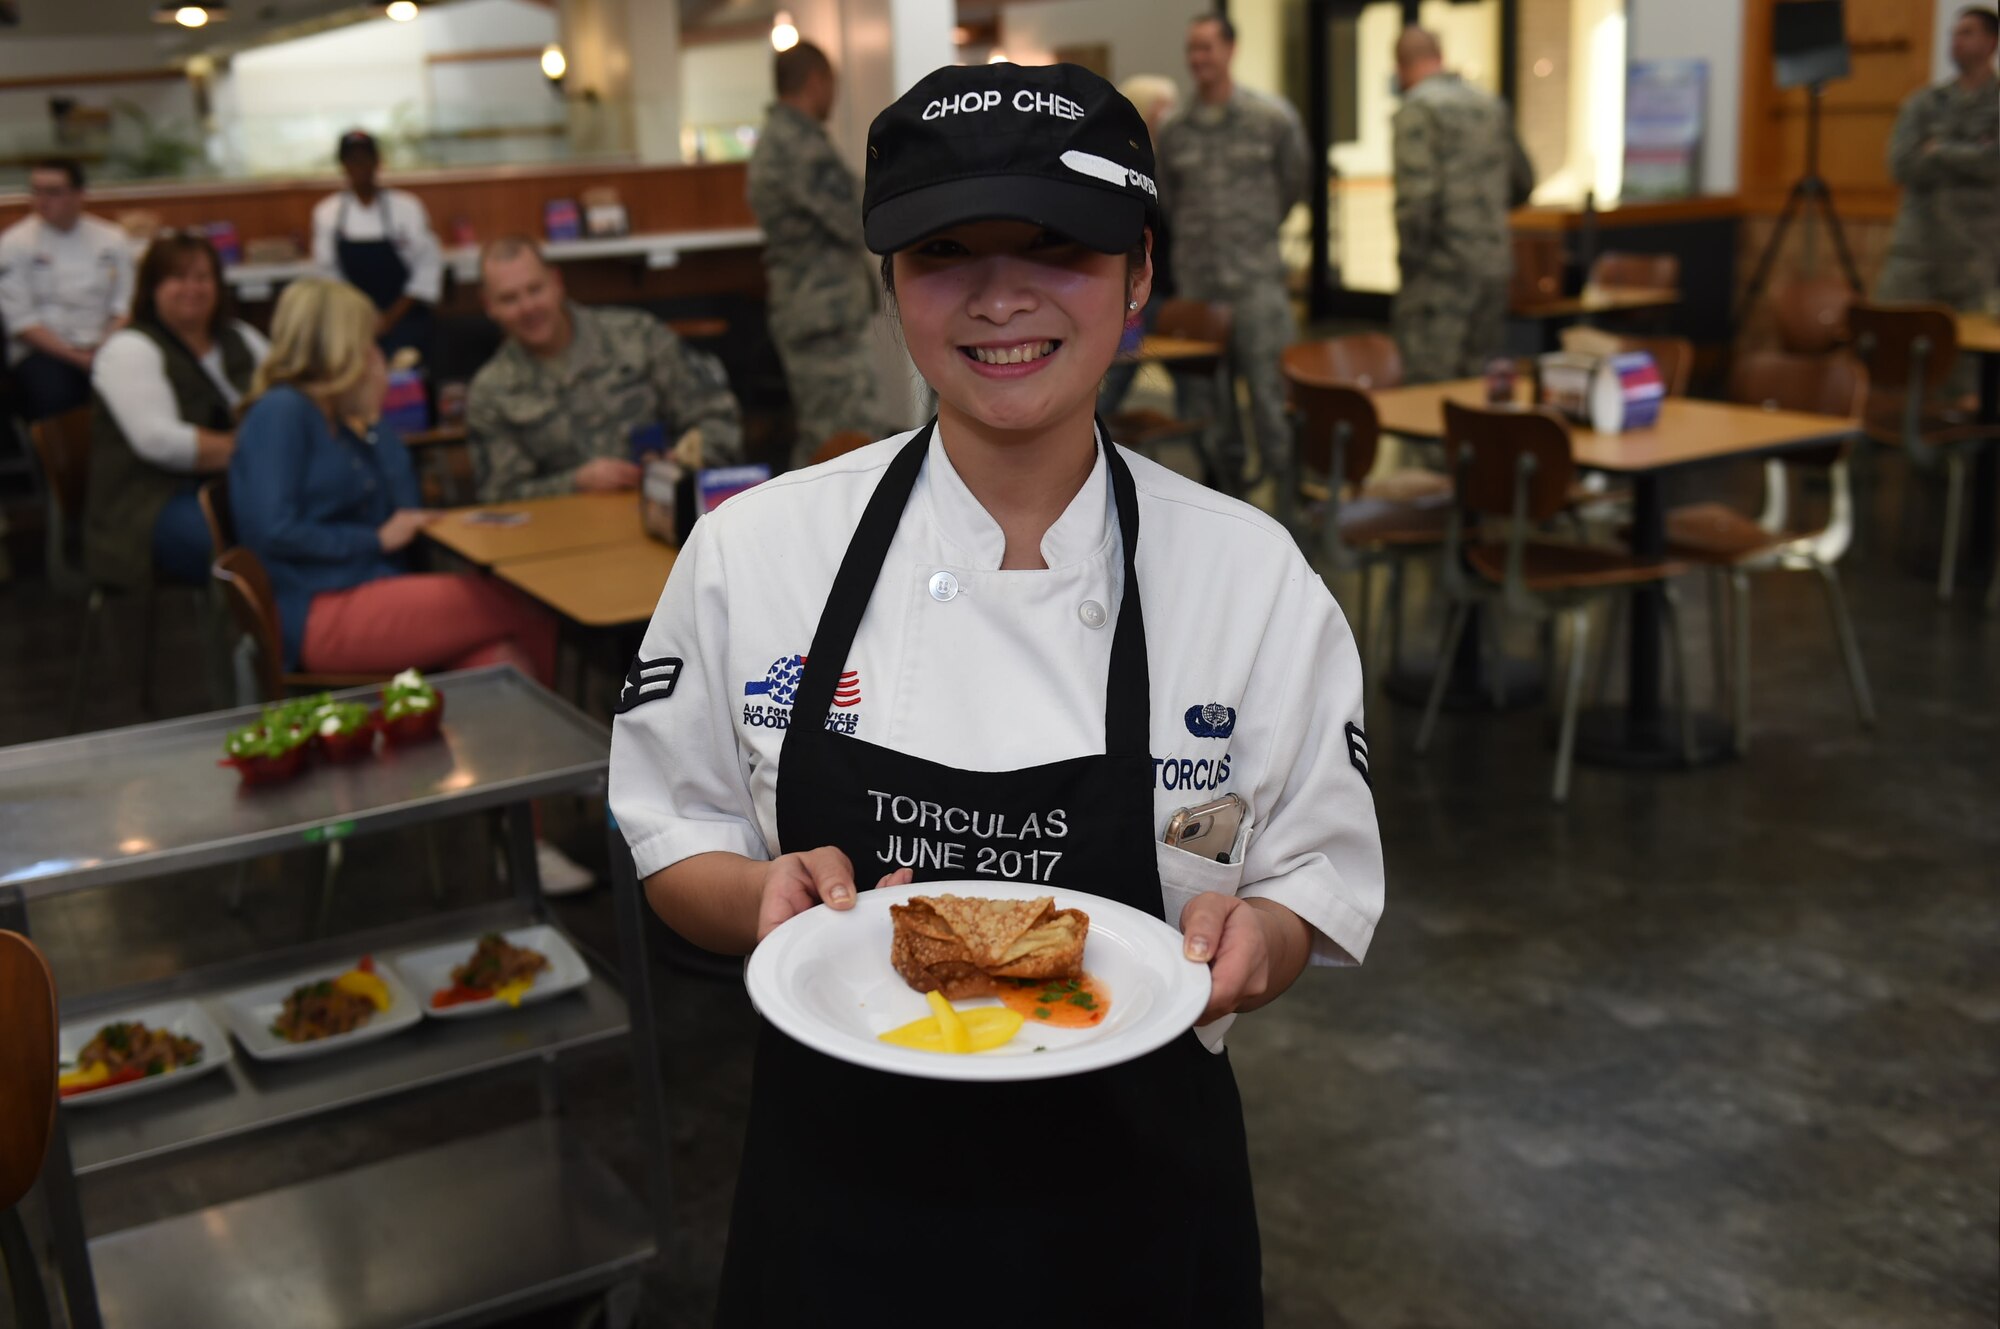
(351, 746)
(257, 771)
(415, 726)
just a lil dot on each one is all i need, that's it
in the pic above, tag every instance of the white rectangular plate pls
(251, 1011)
(429, 970)
(185, 1018)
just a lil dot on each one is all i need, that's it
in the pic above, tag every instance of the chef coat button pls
(944, 587)
(1092, 614)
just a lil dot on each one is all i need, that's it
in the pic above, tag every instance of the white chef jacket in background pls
(74, 282)
(1255, 677)
(130, 374)
(396, 215)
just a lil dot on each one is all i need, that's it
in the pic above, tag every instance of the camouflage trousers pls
(832, 381)
(1449, 325)
(1262, 328)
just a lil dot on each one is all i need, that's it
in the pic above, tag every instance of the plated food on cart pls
(495, 971)
(978, 980)
(321, 1011)
(274, 747)
(104, 1059)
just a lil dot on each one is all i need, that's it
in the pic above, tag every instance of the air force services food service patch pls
(778, 690)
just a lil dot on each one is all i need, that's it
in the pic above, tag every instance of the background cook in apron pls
(779, 709)
(380, 241)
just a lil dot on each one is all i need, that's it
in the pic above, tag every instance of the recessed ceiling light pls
(401, 11)
(191, 15)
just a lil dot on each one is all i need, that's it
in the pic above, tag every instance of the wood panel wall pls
(1890, 55)
(495, 202)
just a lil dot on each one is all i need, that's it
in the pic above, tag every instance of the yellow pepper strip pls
(985, 1027)
(953, 1028)
(511, 992)
(367, 985)
(94, 1074)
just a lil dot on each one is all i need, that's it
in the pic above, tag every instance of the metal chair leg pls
(1395, 614)
(1850, 650)
(1740, 585)
(1954, 514)
(1677, 647)
(1579, 658)
(1719, 613)
(92, 610)
(1454, 630)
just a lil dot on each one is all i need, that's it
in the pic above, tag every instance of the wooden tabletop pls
(606, 587)
(1979, 334)
(1688, 430)
(1177, 348)
(435, 437)
(555, 526)
(1600, 300)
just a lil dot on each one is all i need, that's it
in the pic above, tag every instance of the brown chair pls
(1538, 267)
(1615, 271)
(28, 1054)
(215, 514)
(1733, 544)
(1673, 355)
(1515, 465)
(1910, 352)
(1366, 360)
(1145, 429)
(246, 588)
(1337, 435)
(1812, 313)
(840, 444)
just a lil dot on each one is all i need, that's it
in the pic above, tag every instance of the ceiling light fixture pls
(401, 11)
(191, 15)
(554, 63)
(784, 33)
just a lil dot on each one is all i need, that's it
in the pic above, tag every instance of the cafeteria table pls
(610, 586)
(1555, 313)
(1689, 432)
(556, 525)
(1979, 336)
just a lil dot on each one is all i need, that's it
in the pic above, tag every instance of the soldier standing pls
(1459, 168)
(1232, 165)
(823, 291)
(1946, 154)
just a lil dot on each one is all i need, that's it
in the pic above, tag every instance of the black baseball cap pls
(356, 140)
(1050, 144)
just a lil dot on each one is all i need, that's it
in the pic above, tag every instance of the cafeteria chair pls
(1732, 544)
(1367, 521)
(27, 1113)
(262, 677)
(1145, 429)
(1515, 465)
(213, 496)
(1811, 313)
(840, 444)
(1910, 352)
(1615, 270)
(62, 449)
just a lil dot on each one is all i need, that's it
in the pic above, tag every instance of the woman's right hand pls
(402, 527)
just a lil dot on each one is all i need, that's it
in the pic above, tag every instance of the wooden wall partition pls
(1890, 53)
(494, 201)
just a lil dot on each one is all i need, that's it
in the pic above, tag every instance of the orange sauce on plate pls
(1066, 1003)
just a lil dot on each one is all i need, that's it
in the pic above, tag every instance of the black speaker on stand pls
(1809, 43)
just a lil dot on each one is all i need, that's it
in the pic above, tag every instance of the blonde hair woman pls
(325, 495)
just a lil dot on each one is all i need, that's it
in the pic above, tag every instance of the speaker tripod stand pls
(1809, 193)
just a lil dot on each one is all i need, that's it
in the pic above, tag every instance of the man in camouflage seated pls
(555, 410)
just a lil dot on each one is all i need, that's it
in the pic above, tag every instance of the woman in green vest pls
(166, 389)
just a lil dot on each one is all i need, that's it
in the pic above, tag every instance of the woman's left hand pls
(1243, 947)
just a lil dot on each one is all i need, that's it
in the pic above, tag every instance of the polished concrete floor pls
(1712, 1049)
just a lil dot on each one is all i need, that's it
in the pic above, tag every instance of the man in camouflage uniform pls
(1459, 169)
(822, 285)
(1946, 154)
(1231, 166)
(555, 409)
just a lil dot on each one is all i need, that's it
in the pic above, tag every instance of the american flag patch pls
(847, 692)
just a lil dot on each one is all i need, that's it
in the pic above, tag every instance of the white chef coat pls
(130, 374)
(71, 282)
(396, 215)
(1256, 684)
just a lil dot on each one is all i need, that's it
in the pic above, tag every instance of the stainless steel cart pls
(459, 1233)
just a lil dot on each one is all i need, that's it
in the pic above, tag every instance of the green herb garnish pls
(1042, 1012)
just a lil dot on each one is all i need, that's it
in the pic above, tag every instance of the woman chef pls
(380, 242)
(1028, 627)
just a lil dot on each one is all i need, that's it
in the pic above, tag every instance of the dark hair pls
(791, 70)
(69, 166)
(1988, 19)
(1221, 21)
(168, 257)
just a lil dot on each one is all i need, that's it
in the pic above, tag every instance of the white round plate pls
(824, 978)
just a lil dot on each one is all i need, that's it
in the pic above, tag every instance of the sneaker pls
(560, 874)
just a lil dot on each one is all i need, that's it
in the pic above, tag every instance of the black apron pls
(1117, 1197)
(374, 268)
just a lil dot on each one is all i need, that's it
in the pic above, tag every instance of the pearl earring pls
(1131, 304)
